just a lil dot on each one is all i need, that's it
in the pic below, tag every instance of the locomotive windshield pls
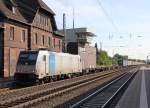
(28, 58)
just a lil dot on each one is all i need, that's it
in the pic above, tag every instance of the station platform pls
(137, 94)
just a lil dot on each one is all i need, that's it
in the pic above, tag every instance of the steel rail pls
(117, 92)
(47, 84)
(49, 93)
(76, 105)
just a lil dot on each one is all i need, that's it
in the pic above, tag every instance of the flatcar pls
(43, 65)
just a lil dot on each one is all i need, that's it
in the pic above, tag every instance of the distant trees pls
(118, 57)
(103, 59)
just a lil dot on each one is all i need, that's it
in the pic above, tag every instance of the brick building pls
(25, 25)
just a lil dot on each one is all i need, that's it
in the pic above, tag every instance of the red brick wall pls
(46, 34)
(58, 44)
(1, 52)
(40, 33)
(12, 48)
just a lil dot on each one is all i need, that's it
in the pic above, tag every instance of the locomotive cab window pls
(28, 58)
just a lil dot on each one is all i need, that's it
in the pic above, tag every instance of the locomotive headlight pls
(34, 71)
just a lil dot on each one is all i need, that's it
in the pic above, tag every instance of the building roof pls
(57, 33)
(45, 7)
(29, 8)
(84, 31)
(6, 11)
(25, 9)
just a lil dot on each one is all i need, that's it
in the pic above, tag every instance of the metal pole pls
(64, 30)
(101, 46)
(73, 23)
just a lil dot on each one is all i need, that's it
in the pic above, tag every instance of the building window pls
(14, 10)
(12, 33)
(59, 44)
(49, 41)
(42, 40)
(54, 42)
(42, 18)
(38, 18)
(35, 39)
(46, 21)
(23, 36)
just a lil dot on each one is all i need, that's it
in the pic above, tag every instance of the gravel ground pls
(28, 90)
(70, 95)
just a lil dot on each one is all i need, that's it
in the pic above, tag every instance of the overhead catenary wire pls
(111, 21)
(107, 15)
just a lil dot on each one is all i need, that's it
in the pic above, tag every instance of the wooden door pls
(12, 61)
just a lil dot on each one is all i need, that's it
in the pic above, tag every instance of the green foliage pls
(103, 59)
(118, 57)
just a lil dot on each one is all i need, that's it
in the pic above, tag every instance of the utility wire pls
(107, 15)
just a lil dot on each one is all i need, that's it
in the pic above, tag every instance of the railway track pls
(27, 90)
(105, 96)
(35, 97)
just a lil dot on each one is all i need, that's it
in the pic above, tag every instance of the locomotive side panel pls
(42, 64)
(58, 64)
(66, 64)
(52, 64)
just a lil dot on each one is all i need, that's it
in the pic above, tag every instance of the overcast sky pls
(123, 26)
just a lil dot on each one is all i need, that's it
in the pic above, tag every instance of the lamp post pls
(147, 59)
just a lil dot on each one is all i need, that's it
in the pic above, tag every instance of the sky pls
(122, 26)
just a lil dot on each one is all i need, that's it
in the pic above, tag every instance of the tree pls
(103, 58)
(96, 53)
(118, 57)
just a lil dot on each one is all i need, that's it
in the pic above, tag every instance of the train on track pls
(130, 62)
(44, 65)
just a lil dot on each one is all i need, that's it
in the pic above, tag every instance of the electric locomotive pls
(43, 65)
